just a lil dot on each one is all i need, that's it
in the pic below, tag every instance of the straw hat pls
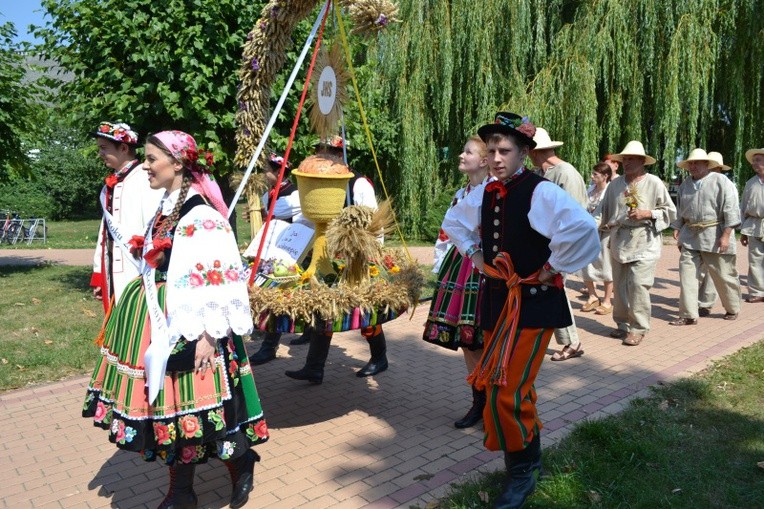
(697, 154)
(754, 151)
(719, 160)
(543, 141)
(634, 148)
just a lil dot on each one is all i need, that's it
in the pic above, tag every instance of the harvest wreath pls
(368, 285)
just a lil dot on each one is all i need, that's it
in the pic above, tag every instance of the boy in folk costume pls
(521, 232)
(553, 168)
(704, 229)
(752, 230)
(636, 209)
(128, 203)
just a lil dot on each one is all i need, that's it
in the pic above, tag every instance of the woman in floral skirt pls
(452, 321)
(173, 382)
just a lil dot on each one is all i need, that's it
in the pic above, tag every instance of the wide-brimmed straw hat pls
(754, 151)
(697, 154)
(719, 160)
(634, 148)
(544, 141)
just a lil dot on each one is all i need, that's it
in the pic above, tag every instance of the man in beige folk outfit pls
(752, 230)
(704, 229)
(706, 291)
(565, 175)
(636, 208)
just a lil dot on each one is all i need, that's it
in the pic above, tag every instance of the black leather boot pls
(304, 339)
(378, 362)
(523, 470)
(242, 471)
(267, 350)
(475, 413)
(318, 351)
(181, 494)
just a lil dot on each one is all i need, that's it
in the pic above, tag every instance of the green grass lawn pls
(83, 235)
(48, 324)
(695, 443)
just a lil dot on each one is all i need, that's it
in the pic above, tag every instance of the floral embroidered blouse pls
(206, 279)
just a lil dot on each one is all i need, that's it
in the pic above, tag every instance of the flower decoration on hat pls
(512, 124)
(120, 132)
(276, 161)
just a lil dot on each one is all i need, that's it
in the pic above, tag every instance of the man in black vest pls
(521, 231)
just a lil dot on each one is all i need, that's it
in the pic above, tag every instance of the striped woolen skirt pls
(193, 418)
(452, 320)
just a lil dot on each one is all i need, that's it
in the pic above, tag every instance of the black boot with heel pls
(242, 471)
(378, 362)
(267, 350)
(181, 494)
(475, 413)
(523, 471)
(318, 351)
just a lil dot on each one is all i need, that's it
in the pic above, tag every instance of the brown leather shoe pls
(684, 321)
(754, 299)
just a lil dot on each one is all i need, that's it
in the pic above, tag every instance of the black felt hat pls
(512, 124)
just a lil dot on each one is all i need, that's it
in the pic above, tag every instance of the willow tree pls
(595, 73)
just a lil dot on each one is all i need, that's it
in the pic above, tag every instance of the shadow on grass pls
(72, 278)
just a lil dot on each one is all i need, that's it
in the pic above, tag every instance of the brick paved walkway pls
(383, 442)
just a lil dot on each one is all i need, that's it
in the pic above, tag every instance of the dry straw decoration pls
(326, 125)
(354, 236)
(265, 53)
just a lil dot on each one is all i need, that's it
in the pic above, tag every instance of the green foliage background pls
(155, 65)
(597, 73)
(18, 112)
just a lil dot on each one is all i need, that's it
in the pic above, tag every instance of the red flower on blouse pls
(214, 277)
(496, 187)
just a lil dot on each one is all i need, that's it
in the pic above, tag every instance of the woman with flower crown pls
(173, 381)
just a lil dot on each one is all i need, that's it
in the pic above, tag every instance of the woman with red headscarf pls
(173, 381)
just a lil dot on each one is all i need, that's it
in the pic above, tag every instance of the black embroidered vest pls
(505, 227)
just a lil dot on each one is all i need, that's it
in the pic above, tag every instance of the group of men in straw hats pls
(636, 208)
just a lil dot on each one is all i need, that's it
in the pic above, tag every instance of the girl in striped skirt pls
(173, 382)
(452, 321)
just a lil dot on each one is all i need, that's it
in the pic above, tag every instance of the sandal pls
(603, 310)
(591, 306)
(633, 339)
(730, 316)
(618, 334)
(684, 321)
(568, 353)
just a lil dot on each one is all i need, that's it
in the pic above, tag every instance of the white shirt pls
(574, 241)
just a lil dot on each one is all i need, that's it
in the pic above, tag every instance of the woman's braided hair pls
(171, 220)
